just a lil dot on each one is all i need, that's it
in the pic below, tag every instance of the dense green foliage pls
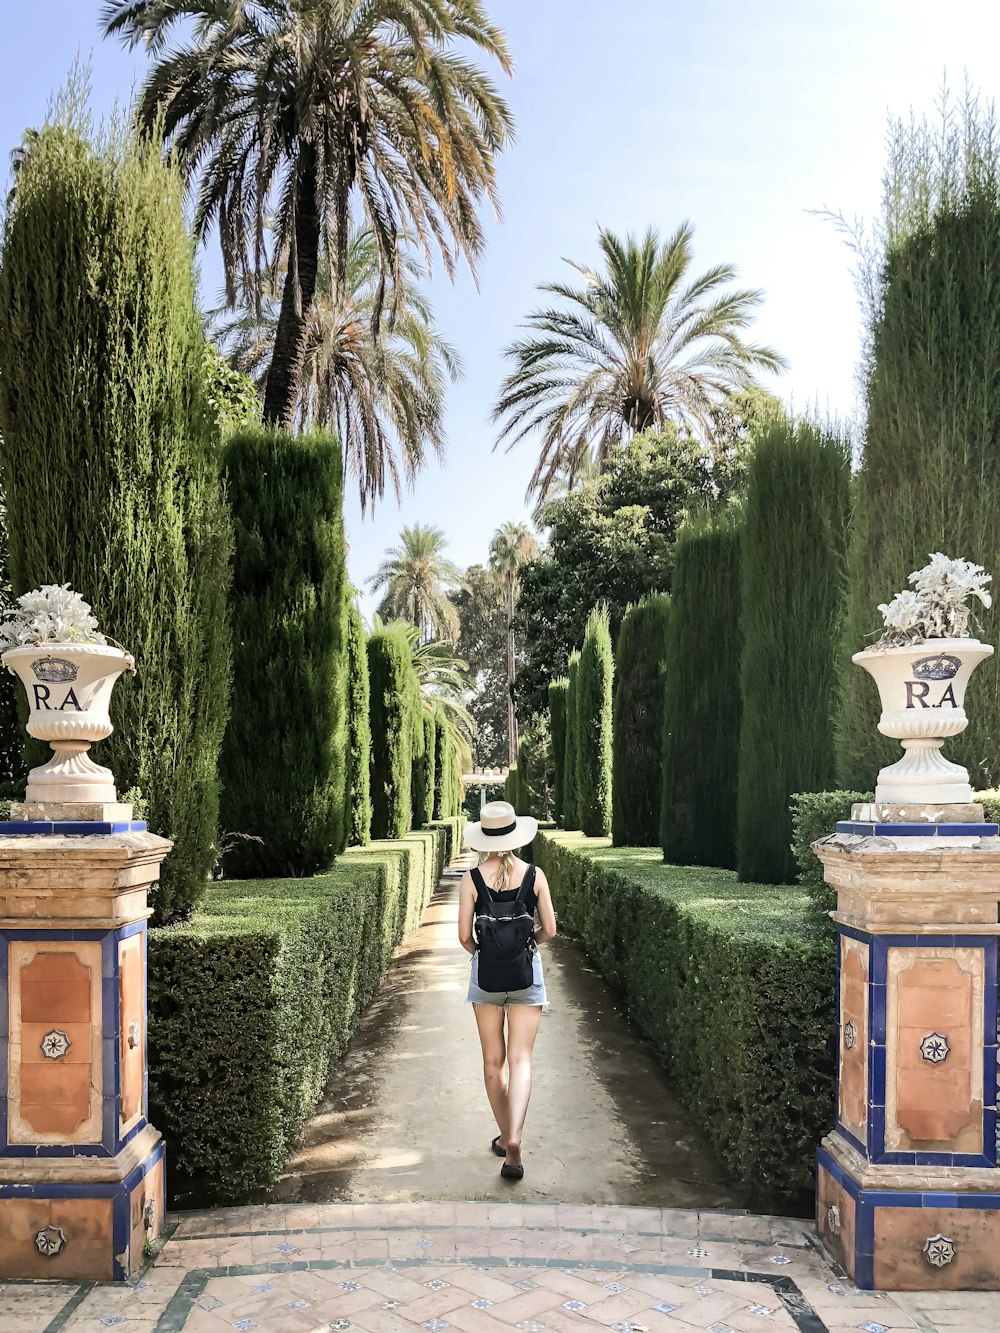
(482, 644)
(792, 570)
(359, 732)
(234, 993)
(390, 678)
(110, 461)
(449, 797)
(701, 701)
(285, 760)
(428, 767)
(816, 815)
(535, 769)
(609, 541)
(637, 724)
(558, 694)
(929, 479)
(512, 787)
(732, 985)
(571, 816)
(594, 686)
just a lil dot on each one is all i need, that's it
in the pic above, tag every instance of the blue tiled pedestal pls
(908, 1193)
(81, 1169)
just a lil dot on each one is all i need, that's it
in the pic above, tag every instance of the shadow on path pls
(405, 1115)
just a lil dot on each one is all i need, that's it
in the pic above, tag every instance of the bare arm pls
(466, 910)
(546, 914)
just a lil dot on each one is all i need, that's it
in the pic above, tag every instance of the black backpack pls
(506, 944)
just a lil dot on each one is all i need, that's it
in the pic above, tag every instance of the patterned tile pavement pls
(485, 1268)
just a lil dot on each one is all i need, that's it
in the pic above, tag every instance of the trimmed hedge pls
(814, 815)
(701, 701)
(428, 770)
(390, 679)
(284, 762)
(637, 724)
(571, 814)
(359, 732)
(730, 982)
(253, 1001)
(594, 685)
(110, 456)
(791, 576)
(558, 691)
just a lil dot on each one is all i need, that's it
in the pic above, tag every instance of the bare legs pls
(489, 1020)
(510, 1102)
(522, 1028)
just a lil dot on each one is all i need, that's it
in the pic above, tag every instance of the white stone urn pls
(922, 688)
(69, 695)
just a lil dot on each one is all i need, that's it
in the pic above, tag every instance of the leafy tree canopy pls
(611, 541)
(482, 642)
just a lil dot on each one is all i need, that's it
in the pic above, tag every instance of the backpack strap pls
(482, 890)
(526, 884)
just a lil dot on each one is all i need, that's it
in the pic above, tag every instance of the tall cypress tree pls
(359, 735)
(442, 797)
(930, 475)
(429, 764)
(637, 724)
(284, 768)
(110, 461)
(701, 700)
(594, 685)
(390, 672)
(558, 691)
(571, 815)
(792, 601)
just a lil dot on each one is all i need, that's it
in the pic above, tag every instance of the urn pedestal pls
(81, 1169)
(908, 1187)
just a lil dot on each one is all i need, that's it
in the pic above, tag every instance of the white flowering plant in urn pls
(51, 640)
(922, 664)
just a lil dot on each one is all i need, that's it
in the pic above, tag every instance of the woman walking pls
(496, 924)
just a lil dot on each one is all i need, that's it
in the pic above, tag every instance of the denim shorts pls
(533, 994)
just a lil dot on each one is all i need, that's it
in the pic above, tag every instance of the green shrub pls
(110, 459)
(728, 981)
(990, 801)
(814, 815)
(284, 763)
(428, 768)
(252, 1001)
(535, 771)
(594, 686)
(792, 589)
(637, 724)
(511, 788)
(558, 691)
(929, 479)
(359, 732)
(390, 678)
(701, 701)
(571, 812)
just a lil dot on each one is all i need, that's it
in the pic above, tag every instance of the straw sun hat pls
(500, 829)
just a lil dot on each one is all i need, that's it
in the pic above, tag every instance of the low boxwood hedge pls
(732, 983)
(253, 1000)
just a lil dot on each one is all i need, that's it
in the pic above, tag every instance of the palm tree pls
(298, 107)
(639, 344)
(380, 387)
(511, 546)
(444, 684)
(417, 578)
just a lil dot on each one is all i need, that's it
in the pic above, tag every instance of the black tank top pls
(503, 903)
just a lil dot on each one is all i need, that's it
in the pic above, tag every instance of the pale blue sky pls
(741, 118)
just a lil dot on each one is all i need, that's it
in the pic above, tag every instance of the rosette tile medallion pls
(908, 1188)
(81, 1169)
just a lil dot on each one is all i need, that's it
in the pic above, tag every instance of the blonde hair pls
(504, 868)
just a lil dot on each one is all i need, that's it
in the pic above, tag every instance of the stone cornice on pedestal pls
(83, 1169)
(85, 881)
(951, 886)
(890, 1176)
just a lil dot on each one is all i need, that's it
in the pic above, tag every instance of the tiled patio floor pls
(485, 1268)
